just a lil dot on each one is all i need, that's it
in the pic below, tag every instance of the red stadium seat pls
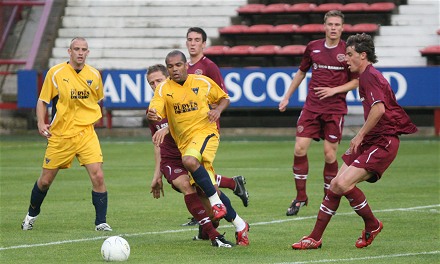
(301, 8)
(431, 50)
(250, 9)
(285, 28)
(311, 28)
(234, 29)
(347, 27)
(292, 50)
(240, 50)
(266, 50)
(364, 28)
(328, 6)
(275, 8)
(381, 7)
(260, 29)
(355, 7)
(215, 50)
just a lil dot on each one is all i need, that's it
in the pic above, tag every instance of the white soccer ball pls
(115, 248)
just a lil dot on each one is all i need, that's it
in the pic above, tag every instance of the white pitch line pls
(193, 229)
(364, 258)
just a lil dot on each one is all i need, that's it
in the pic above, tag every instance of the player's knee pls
(190, 163)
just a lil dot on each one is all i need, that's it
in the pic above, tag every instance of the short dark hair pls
(363, 43)
(76, 38)
(198, 30)
(156, 68)
(334, 13)
(175, 53)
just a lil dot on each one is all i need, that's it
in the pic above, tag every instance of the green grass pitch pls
(406, 199)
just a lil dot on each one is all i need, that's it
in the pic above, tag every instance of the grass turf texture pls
(406, 200)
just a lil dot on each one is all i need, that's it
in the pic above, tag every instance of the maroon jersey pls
(329, 69)
(168, 148)
(208, 68)
(374, 88)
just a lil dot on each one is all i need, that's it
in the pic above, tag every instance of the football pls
(115, 248)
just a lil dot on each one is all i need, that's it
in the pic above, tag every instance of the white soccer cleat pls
(103, 227)
(28, 222)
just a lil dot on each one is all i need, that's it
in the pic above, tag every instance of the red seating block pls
(311, 28)
(328, 6)
(301, 8)
(364, 27)
(292, 50)
(215, 50)
(234, 29)
(431, 50)
(266, 50)
(260, 29)
(355, 7)
(285, 28)
(240, 50)
(275, 8)
(381, 7)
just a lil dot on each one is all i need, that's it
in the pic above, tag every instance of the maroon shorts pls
(172, 169)
(374, 155)
(320, 126)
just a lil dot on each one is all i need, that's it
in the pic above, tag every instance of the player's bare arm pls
(374, 116)
(214, 114)
(324, 92)
(159, 136)
(152, 115)
(299, 76)
(43, 128)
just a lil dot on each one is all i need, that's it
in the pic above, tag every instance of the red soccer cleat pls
(241, 237)
(219, 211)
(367, 237)
(307, 243)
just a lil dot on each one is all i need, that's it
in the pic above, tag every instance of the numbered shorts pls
(173, 169)
(374, 156)
(60, 152)
(320, 126)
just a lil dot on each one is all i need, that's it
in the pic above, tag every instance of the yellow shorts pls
(61, 151)
(204, 147)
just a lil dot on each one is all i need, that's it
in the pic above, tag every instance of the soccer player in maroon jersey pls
(200, 64)
(371, 151)
(322, 116)
(169, 163)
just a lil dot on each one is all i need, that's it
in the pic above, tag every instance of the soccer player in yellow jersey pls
(184, 99)
(77, 89)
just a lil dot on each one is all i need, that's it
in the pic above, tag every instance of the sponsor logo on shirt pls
(184, 108)
(74, 94)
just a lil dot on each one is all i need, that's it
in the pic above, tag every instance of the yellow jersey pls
(186, 106)
(78, 97)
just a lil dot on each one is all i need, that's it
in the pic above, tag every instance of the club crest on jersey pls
(340, 57)
(89, 82)
(198, 72)
(195, 90)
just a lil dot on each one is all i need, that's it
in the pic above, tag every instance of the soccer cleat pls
(220, 241)
(241, 237)
(295, 205)
(240, 189)
(103, 227)
(367, 237)
(219, 211)
(28, 222)
(307, 243)
(192, 222)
